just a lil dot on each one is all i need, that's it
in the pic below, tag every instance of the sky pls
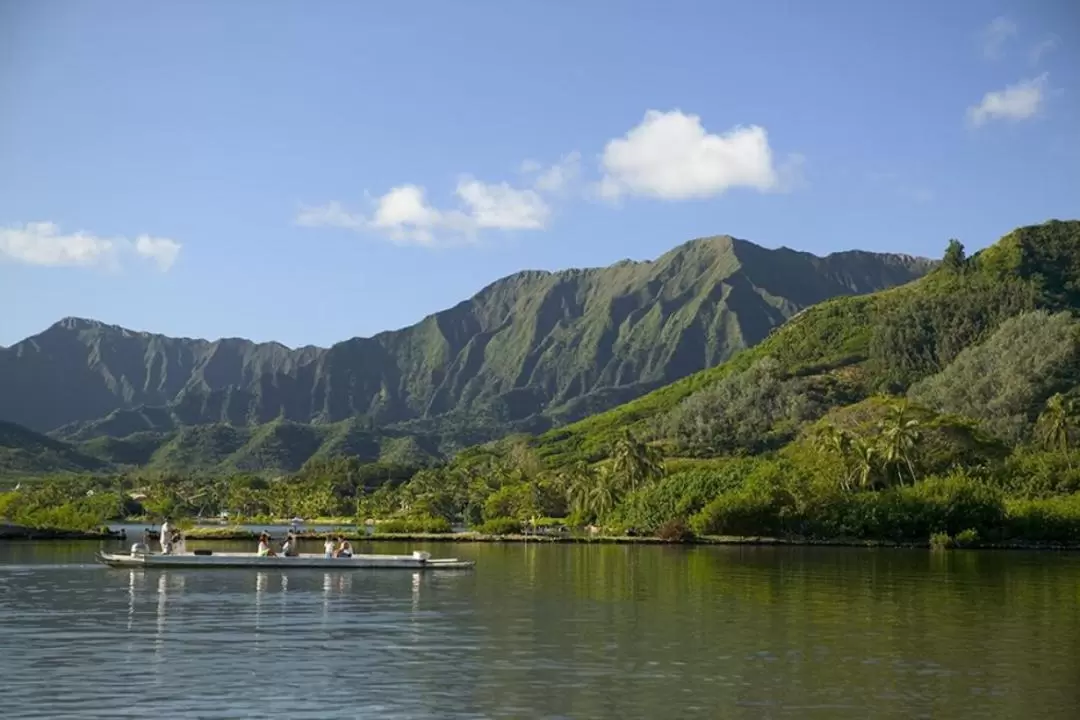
(311, 172)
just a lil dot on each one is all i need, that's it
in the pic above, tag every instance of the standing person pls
(165, 538)
(328, 547)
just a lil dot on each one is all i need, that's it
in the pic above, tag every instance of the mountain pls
(535, 348)
(24, 451)
(988, 338)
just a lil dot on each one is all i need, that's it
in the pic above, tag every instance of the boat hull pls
(250, 560)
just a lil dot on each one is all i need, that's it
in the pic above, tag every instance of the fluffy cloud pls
(1016, 102)
(42, 243)
(405, 216)
(162, 251)
(671, 156)
(995, 34)
(668, 155)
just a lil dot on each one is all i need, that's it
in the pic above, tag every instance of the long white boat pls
(204, 559)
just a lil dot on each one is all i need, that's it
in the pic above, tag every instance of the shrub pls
(679, 494)
(744, 512)
(940, 541)
(967, 538)
(675, 531)
(500, 526)
(956, 503)
(1046, 520)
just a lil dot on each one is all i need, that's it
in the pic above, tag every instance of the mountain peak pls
(77, 323)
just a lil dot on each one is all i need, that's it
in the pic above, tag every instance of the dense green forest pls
(944, 408)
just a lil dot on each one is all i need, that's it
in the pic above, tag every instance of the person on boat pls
(328, 547)
(290, 548)
(165, 537)
(178, 543)
(264, 546)
(344, 548)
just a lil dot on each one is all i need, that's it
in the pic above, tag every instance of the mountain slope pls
(24, 451)
(561, 344)
(889, 340)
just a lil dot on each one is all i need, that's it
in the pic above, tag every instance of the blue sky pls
(308, 172)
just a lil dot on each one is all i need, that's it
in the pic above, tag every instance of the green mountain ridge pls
(527, 352)
(891, 340)
(281, 446)
(942, 412)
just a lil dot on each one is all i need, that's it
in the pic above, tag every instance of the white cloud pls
(42, 243)
(503, 207)
(560, 176)
(1016, 102)
(671, 156)
(1042, 48)
(404, 215)
(995, 34)
(329, 215)
(162, 251)
(668, 155)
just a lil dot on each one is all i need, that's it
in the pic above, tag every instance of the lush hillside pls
(854, 347)
(24, 451)
(943, 411)
(276, 447)
(535, 345)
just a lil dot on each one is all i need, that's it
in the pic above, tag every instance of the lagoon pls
(548, 631)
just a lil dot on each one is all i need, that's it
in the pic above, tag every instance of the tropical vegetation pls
(942, 411)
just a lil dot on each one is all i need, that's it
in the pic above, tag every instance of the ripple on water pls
(599, 632)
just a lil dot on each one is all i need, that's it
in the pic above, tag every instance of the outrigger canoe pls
(206, 559)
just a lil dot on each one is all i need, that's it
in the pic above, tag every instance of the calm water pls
(548, 632)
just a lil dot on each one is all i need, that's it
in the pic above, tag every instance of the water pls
(547, 631)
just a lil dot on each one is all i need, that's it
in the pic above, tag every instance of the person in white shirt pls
(328, 547)
(289, 547)
(165, 538)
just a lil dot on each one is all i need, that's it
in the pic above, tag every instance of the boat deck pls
(303, 560)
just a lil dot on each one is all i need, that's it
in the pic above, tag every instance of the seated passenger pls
(290, 548)
(264, 546)
(344, 549)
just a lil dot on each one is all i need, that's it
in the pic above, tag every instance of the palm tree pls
(604, 494)
(899, 434)
(866, 463)
(579, 481)
(635, 463)
(1056, 423)
(833, 440)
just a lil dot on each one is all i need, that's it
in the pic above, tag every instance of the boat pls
(418, 560)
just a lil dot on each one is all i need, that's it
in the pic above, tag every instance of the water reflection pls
(131, 598)
(261, 579)
(554, 631)
(159, 636)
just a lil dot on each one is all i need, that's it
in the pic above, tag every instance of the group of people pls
(333, 547)
(173, 541)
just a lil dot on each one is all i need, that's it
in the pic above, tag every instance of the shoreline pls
(219, 534)
(23, 532)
